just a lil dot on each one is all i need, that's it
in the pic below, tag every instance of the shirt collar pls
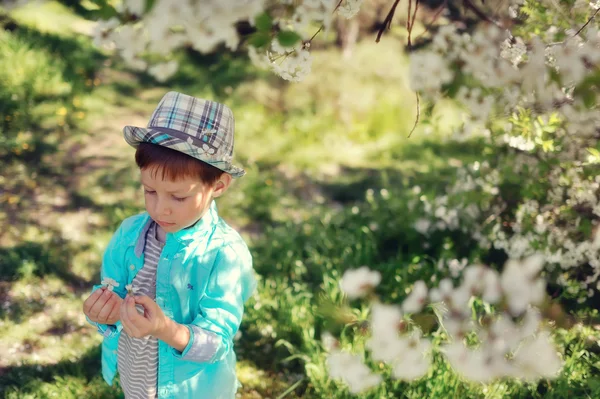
(198, 229)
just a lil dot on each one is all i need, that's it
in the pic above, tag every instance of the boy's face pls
(177, 204)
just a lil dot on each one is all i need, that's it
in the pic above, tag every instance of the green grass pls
(330, 172)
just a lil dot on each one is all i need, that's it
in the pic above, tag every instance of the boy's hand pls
(151, 322)
(103, 306)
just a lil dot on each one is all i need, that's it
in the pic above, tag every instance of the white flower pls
(422, 225)
(349, 8)
(520, 285)
(329, 341)
(135, 7)
(103, 33)
(470, 363)
(385, 319)
(356, 283)
(428, 71)
(537, 358)
(350, 369)
(384, 342)
(414, 360)
(164, 71)
(294, 66)
(417, 298)
(131, 289)
(443, 292)
(109, 283)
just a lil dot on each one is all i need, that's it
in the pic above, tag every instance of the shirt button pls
(131, 267)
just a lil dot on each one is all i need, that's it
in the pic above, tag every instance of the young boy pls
(175, 278)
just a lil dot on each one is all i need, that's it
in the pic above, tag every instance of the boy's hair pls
(174, 165)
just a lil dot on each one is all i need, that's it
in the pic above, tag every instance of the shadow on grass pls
(28, 379)
(82, 59)
(428, 164)
(217, 73)
(39, 259)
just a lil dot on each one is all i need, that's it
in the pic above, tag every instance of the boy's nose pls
(162, 208)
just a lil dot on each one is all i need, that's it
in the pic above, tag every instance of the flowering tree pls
(535, 95)
(526, 73)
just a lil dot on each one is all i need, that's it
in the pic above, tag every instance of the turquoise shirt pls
(204, 276)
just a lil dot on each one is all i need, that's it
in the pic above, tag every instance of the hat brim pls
(135, 135)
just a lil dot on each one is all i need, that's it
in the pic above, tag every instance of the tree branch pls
(587, 23)
(469, 4)
(418, 115)
(387, 23)
(411, 21)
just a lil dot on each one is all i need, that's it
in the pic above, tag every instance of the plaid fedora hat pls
(200, 128)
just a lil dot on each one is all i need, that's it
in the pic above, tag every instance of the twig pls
(433, 19)
(587, 23)
(412, 22)
(387, 22)
(338, 5)
(316, 33)
(418, 115)
(308, 42)
(476, 10)
(408, 17)
(576, 33)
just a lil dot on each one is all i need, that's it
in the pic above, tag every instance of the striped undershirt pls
(138, 357)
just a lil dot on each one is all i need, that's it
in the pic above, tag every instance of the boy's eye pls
(149, 191)
(179, 199)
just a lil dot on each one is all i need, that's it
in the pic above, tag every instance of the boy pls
(175, 278)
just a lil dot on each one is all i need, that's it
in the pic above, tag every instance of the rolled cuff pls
(202, 346)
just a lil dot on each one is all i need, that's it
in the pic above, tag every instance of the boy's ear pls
(222, 185)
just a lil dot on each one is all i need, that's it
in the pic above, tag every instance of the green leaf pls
(149, 5)
(260, 39)
(594, 152)
(89, 5)
(589, 98)
(288, 38)
(105, 12)
(594, 155)
(264, 22)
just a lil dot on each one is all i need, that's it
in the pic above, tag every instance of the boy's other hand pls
(103, 306)
(150, 322)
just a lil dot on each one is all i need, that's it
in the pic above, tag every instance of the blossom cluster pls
(511, 343)
(562, 226)
(171, 24)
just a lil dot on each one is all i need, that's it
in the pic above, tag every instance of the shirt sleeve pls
(230, 284)
(112, 267)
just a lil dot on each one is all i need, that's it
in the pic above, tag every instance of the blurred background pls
(331, 173)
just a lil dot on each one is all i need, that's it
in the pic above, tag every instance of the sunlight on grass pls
(51, 17)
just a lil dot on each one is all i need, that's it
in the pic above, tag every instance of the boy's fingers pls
(116, 310)
(136, 319)
(107, 310)
(113, 317)
(131, 310)
(128, 325)
(99, 304)
(143, 300)
(123, 312)
(91, 300)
